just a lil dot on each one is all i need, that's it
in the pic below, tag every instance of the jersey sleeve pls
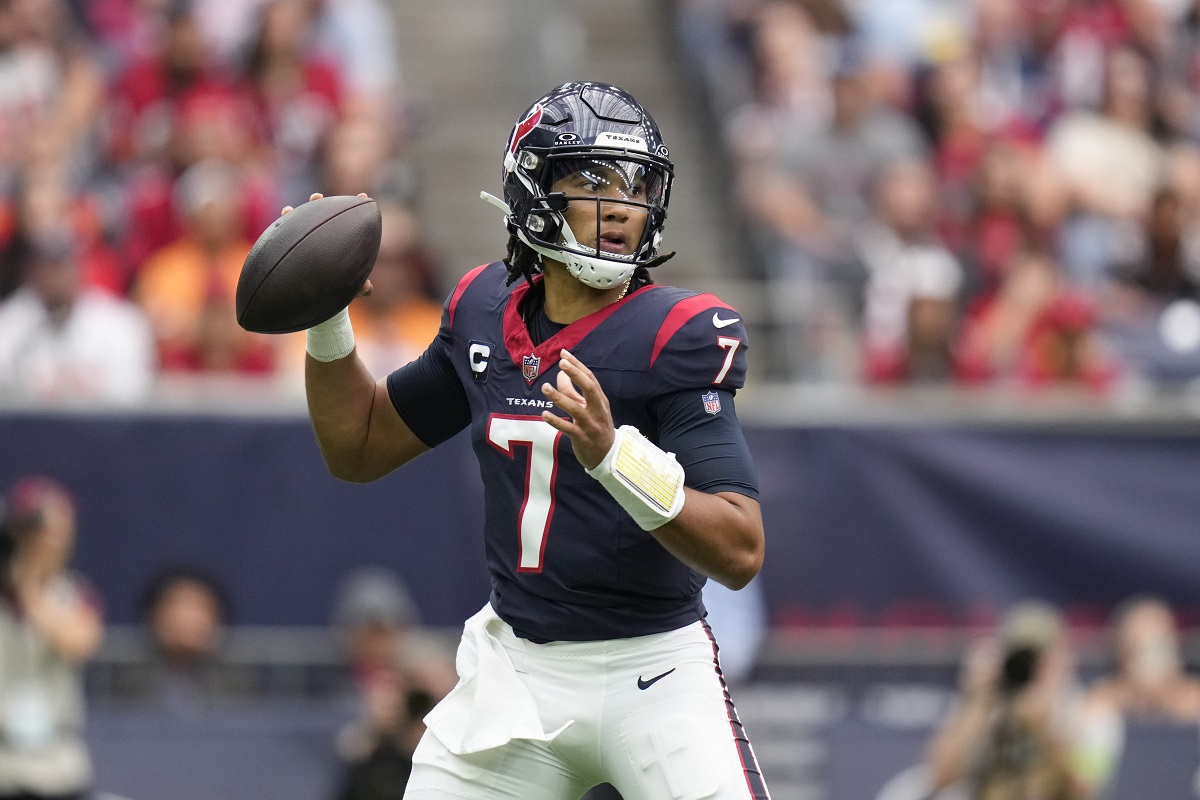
(701, 344)
(703, 432)
(428, 394)
(697, 364)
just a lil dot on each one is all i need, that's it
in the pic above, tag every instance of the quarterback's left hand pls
(579, 394)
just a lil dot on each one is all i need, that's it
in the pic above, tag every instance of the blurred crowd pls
(389, 669)
(961, 192)
(1025, 725)
(145, 144)
(983, 193)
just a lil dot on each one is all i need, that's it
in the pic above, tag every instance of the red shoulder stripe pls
(463, 283)
(679, 315)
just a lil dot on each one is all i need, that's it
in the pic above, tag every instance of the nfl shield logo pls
(529, 367)
(712, 403)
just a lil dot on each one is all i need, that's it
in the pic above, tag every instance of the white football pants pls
(650, 715)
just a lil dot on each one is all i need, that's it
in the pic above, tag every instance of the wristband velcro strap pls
(646, 481)
(332, 339)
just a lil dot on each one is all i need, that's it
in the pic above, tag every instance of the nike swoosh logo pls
(723, 323)
(647, 684)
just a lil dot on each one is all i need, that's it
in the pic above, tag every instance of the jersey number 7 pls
(537, 507)
(730, 345)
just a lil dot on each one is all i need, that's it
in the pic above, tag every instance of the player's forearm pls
(720, 535)
(340, 397)
(361, 436)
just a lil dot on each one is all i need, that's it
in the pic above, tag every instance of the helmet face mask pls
(587, 182)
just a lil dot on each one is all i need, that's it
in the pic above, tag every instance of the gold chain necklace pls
(624, 289)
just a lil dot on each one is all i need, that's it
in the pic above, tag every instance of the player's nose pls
(615, 212)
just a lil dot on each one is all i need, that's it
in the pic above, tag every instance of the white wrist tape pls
(646, 481)
(332, 339)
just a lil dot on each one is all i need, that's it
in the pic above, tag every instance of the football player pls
(616, 476)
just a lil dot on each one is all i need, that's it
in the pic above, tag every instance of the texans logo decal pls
(525, 127)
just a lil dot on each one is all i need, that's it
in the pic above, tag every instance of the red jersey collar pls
(536, 360)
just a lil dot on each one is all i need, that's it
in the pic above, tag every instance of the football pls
(308, 264)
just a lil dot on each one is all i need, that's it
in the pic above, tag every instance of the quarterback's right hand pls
(366, 287)
(579, 393)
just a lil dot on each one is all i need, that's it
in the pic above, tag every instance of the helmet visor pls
(619, 179)
(612, 204)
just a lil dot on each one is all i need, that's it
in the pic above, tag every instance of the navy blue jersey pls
(566, 561)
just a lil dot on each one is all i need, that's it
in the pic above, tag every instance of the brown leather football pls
(308, 264)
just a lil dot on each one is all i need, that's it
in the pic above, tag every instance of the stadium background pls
(903, 514)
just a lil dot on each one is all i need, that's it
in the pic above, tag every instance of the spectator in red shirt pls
(1033, 331)
(297, 96)
(146, 94)
(188, 287)
(169, 111)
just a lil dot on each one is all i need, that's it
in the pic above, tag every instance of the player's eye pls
(587, 181)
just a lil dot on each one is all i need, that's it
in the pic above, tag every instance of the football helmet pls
(582, 143)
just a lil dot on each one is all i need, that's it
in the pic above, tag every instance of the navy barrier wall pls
(870, 518)
(250, 500)
(903, 520)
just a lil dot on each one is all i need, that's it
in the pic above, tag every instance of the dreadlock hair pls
(523, 261)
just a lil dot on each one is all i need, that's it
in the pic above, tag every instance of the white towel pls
(490, 706)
